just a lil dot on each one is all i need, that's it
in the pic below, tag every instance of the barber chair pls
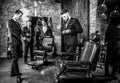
(81, 70)
(48, 49)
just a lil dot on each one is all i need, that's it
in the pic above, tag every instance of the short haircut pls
(44, 19)
(64, 11)
(18, 12)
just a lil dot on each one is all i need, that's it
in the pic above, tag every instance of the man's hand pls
(28, 34)
(23, 38)
(66, 31)
(63, 32)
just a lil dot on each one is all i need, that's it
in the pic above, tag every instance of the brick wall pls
(79, 9)
(96, 22)
(93, 16)
(48, 8)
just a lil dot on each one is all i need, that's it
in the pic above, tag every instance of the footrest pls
(74, 79)
(39, 51)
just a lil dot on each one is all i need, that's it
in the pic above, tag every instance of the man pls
(15, 31)
(70, 30)
(112, 39)
(37, 31)
(33, 24)
(27, 40)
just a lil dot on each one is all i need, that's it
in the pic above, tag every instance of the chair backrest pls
(90, 52)
(47, 42)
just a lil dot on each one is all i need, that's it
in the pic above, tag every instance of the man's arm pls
(50, 30)
(78, 28)
(23, 32)
(13, 33)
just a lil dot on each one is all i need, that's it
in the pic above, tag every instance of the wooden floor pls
(43, 74)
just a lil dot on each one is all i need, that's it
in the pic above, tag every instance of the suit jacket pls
(15, 31)
(26, 31)
(75, 27)
(33, 21)
(112, 37)
(41, 34)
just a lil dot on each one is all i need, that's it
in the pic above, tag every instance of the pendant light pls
(115, 13)
(103, 16)
(102, 8)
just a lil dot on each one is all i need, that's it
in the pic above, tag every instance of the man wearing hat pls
(71, 27)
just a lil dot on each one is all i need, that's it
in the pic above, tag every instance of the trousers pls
(27, 46)
(16, 52)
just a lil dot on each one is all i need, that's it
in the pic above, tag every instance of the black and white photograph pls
(59, 41)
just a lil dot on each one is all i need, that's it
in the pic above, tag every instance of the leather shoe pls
(19, 80)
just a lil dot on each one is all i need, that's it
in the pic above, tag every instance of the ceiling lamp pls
(115, 13)
(102, 8)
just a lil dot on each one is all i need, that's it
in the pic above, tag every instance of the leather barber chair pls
(81, 69)
(48, 49)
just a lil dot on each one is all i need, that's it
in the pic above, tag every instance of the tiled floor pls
(38, 76)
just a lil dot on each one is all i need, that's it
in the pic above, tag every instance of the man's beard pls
(66, 20)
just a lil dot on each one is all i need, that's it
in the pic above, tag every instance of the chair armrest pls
(77, 65)
(39, 51)
(77, 62)
(65, 54)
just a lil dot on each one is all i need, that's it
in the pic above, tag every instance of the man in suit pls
(70, 30)
(33, 24)
(27, 41)
(112, 40)
(15, 31)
